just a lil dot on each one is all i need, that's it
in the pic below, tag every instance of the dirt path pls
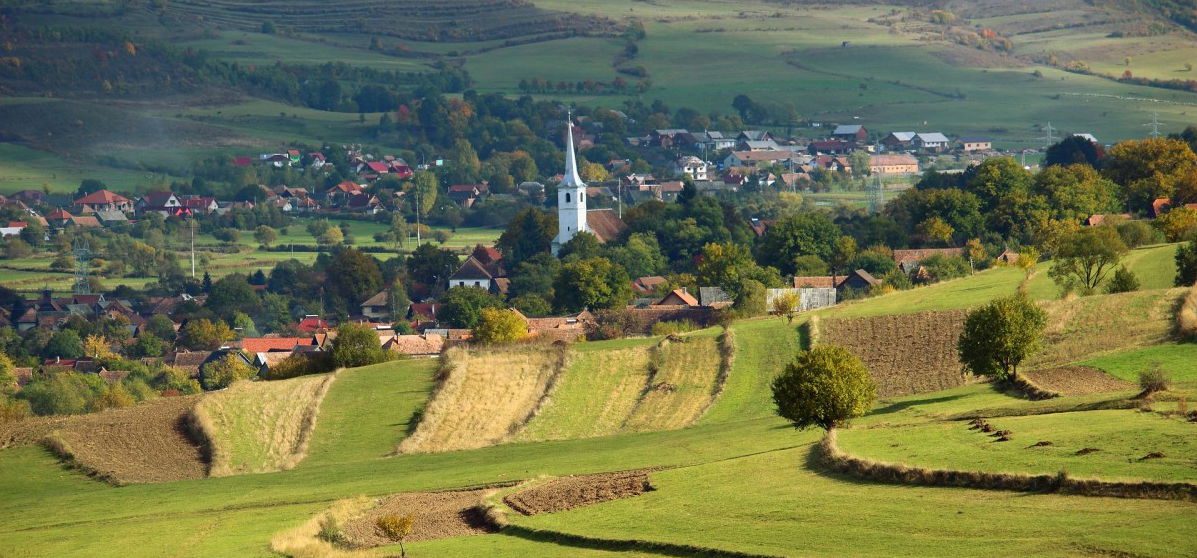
(576, 491)
(1076, 380)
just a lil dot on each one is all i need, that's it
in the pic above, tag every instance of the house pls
(648, 285)
(678, 297)
(188, 361)
(341, 192)
(830, 147)
(272, 344)
(714, 297)
(312, 324)
(897, 164)
(466, 194)
(85, 221)
(377, 306)
(714, 141)
(480, 269)
(1092, 139)
(910, 257)
(851, 132)
(817, 282)
(671, 137)
(202, 205)
(830, 163)
(111, 217)
(425, 345)
(1098, 219)
(1008, 257)
(897, 141)
(59, 217)
(1159, 206)
(755, 135)
(759, 227)
(165, 203)
(103, 200)
(757, 158)
(932, 141)
(364, 203)
(757, 145)
(691, 166)
(975, 143)
(559, 328)
(423, 314)
(13, 228)
(808, 298)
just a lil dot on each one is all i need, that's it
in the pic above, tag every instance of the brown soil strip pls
(439, 515)
(906, 354)
(144, 443)
(571, 492)
(1075, 380)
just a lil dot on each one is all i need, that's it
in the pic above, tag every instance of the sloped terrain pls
(439, 515)
(906, 354)
(484, 396)
(680, 386)
(257, 427)
(1075, 380)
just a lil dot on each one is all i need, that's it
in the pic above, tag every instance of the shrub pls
(672, 328)
(300, 364)
(330, 530)
(751, 299)
(12, 410)
(1186, 264)
(824, 387)
(499, 327)
(1138, 233)
(218, 374)
(1154, 379)
(356, 345)
(1123, 281)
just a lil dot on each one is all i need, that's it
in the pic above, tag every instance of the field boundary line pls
(1030, 389)
(559, 366)
(828, 453)
(622, 545)
(726, 343)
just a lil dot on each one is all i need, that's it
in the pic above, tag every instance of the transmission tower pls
(1048, 138)
(1154, 124)
(82, 266)
(876, 195)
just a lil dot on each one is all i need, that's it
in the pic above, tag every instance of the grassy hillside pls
(680, 386)
(261, 426)
(762, 348)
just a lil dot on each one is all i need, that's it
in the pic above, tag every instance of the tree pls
(1074, 192)
(641, 256)
(354, 276)
(1072, 150)
(1186, 264)
(786, 304)
(147, 345)
(220, 373)
(64, 344)
(89, 185)
(809, 233)
(535, 276)
(8, 379)
(356, 345)
(462, 306)
(860, 162)
(232, 293)
(593, 283)
(227, 235)
(1084, 258)
(203, 334)
(265, 235)
(729, 265)
(430, 265)
(1178, 225)
(998, 336)
(824, 387)
(936, 231)
(584, 245)
(397, 528)
(424, 190)
(1148, 169)
(529, 233)
(1123, 281)
(160, 326)
(97, 347)
(499, 326)
(330, 237)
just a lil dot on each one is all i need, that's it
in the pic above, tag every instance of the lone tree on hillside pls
(1085, 257)
(998, 336)
(397, 528)
(824, 387)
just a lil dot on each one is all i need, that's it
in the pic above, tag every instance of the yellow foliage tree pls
(500, 326)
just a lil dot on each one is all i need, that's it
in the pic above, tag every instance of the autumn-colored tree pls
(203, 334)
(1148, 169)
(499, 326)
(1178, 225)
(936, 231)
(786, 304)
(221, 372)
(397, 528)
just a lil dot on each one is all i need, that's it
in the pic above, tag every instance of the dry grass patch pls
(1186, 316)
(258, 427)
(144, 443)
(1075, 380)
(906, 354)
(305, 541)
(485, 396)
(683, 378)
(439, 515)
(598, 391)
(1084, 327)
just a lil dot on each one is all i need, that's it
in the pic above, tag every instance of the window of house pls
(477, 284)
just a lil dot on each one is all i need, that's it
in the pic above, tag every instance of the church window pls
(567, 197)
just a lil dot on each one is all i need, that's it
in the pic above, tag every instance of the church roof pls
(604, 224)
(571, 179)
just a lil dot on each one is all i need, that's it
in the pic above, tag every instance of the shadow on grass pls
(902, 405)
(618, 545)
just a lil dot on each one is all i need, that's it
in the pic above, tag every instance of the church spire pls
(571, 177)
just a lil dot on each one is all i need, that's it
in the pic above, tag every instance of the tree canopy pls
(823, 387)
(998, 336)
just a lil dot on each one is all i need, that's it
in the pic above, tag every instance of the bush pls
(300, 364)
(218, 374)
(1123, 281)
(824, 387)
(1186, 264)
(12, 410)
(500, 327)
(671, 328)
(1138, 233)
(356, 345)
(1154, 379)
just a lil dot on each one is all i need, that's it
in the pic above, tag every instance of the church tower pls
(571, 195)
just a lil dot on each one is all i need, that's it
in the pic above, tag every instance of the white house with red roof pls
(103, 200)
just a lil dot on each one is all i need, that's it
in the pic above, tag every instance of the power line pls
(1154, 124)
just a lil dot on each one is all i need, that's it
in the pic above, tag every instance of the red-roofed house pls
(273, 344)
(678, 297)
(103, 200)
(312, 324)
(1160, 206)
(648, 285)
(605, 224)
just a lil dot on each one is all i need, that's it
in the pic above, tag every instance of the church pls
(572, 215)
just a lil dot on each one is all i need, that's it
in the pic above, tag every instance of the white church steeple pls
(571, 195)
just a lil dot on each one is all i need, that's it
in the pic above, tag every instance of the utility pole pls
(193, 248)
(418, 214)
(1154, 124)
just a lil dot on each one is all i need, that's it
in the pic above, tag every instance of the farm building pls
(898, 140)
(931, 141)
(899, 164)
(851, 132)
(975, 143)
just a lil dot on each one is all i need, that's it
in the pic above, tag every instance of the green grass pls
(359, 422)
(1178, 358)
(23, 168)
(762, 348)
(1123, 436)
